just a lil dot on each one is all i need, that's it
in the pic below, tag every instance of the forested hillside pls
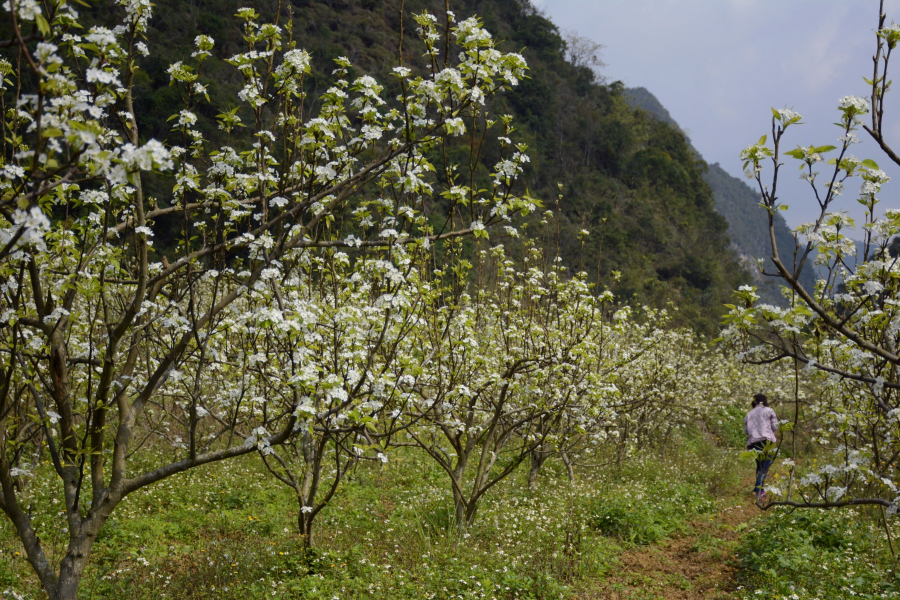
(629, 179)
(739, 204)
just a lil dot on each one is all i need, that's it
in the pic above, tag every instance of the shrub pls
(816, 554)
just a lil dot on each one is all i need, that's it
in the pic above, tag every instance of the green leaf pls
(776, 113)
(870, 163)
(42, 24)
(824, 149)
(783, 207)
(762, 140)
(796, 153)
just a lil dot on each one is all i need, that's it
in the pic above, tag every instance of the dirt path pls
(698, 565)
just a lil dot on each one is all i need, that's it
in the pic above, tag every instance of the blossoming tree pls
(502, 365)
(649, 382)
(843, 333)
(128, 363)
(343, 347)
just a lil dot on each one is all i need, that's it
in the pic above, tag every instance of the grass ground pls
(654, 528)
(700, 564)
(819, 555)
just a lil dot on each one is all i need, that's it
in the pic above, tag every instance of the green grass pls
(807, 555)
(651, 502)
(728, 426)
(228, 531)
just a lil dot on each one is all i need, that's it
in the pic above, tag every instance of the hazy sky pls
(719, 65)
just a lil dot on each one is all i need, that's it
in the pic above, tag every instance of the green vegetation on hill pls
(643, 99)
(749, 229)
(739, 204)
(631, 181)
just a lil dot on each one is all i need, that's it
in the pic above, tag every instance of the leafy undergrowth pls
(646, 511)
(227, 531)
(825, 555)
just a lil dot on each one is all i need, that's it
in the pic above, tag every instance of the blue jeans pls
(763, 462)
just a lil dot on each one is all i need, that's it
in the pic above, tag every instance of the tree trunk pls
(304, 524)
(68, 587)
(665, 447)
(459, 501)
(461, 520)
(71, 569)
(620, 445)
(470, 514)
(569, 470)
(538, 457)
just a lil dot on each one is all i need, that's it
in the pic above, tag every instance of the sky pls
(719, 65)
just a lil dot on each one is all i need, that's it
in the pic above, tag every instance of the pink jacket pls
(760, 424)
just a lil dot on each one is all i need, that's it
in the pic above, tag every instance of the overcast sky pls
(719, 65)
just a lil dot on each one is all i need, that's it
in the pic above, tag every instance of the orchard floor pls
(654, 529)
(699, 564)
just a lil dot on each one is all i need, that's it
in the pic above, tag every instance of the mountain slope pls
(739, 204)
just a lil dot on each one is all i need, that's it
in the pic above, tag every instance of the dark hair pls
(759, 399)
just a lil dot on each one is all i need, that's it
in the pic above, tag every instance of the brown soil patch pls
(699, 565)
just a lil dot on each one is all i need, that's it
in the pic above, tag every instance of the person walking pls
(760, 425)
